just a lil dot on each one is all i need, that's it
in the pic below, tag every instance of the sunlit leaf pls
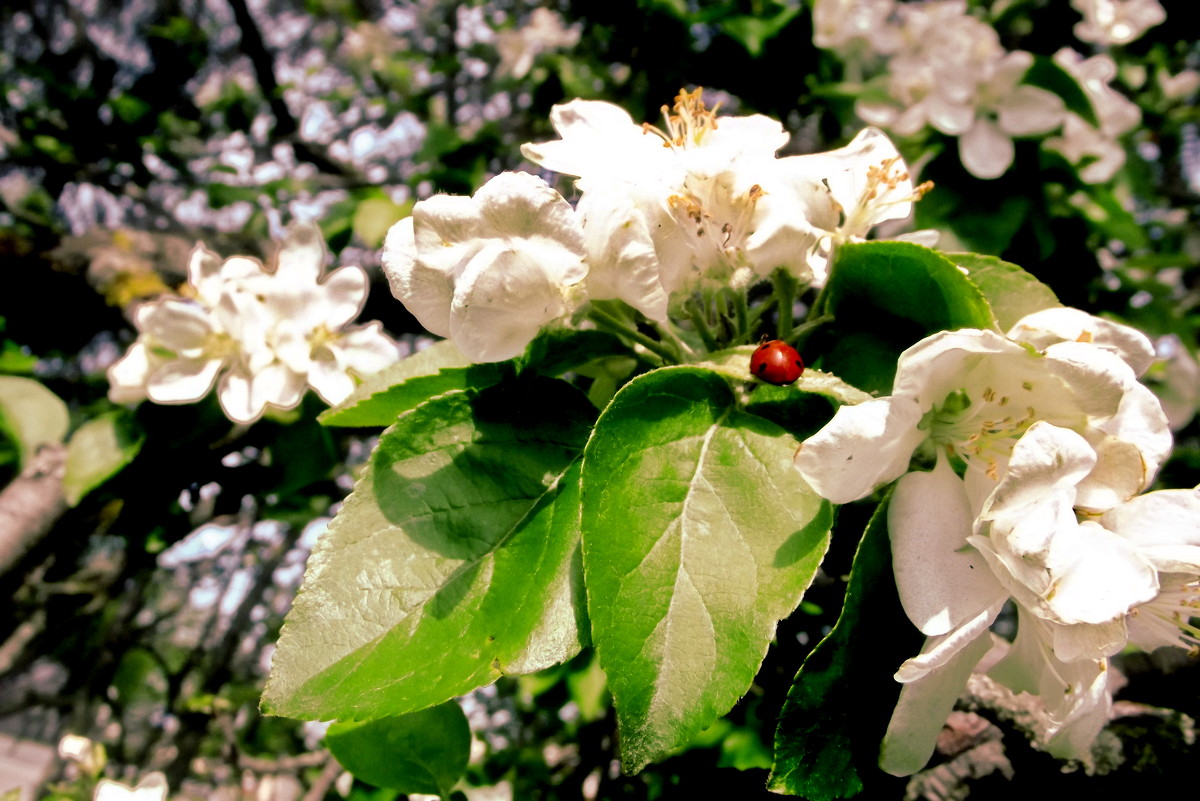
(31, 415)
(98, 450)
(699, 535)
(454, 561)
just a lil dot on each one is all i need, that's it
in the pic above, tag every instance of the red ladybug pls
(776, 362)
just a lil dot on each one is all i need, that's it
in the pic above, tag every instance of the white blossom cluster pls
(261, 336)
(934, 65)
(663, 213)
(1043, 443)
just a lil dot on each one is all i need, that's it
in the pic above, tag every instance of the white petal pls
(621, 256)
(925, 704)
(1064, 324)
(594, 134)
(204, 268)
(301, 257)
(182, 380)
(1029, 111)
(330, 380)
(985, 150)
(424, 291)
(1164, 526)
(236, 399)
(523, 206)
(501, 302)
(366, 349)
(1092, 641)
(178, 325)
(1131, 446)
(127, 376)
(861, 448)
(942, 583)
(342, 295)
(1100, 577)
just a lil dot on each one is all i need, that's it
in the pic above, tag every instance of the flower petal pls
(942, 583)
(925, 703)
(182, 380)
(985, 150)
(861, 448)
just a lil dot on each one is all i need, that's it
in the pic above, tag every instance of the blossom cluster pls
(1042, 443)
(704, 203)
(261, 336)
(935, 65)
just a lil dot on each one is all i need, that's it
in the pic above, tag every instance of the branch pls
(31, 503)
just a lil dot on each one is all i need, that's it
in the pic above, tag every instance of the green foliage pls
(827, 742)
(421, 752)
(698, 537)
(884, 296)
(31, 415)
(465, 526)
(98, 450)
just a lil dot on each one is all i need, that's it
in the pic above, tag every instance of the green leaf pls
(1044, 73)
(374, 216)
(735, 363)
(752, 32)
(698, 536)
(454, 561)
(384, 396)
(885, 296)
(98, 450)
(1011, 292)
(31, 415)
(421, 752)
(827, 741)
(557, 350)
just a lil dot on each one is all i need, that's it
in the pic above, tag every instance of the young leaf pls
(698, 536)
(384, 396)
(421, 752)
(455, 560)
(98, 450)
(1010, 291)
(827, 742)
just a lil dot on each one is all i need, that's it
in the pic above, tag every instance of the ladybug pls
(776, 362)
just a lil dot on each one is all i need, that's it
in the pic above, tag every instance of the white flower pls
(488, 271)
(1074, 584)
(1109, 22)
(1115, 113)
(714, 201)
(1164, 528)
(152, 787)
(854, 25)
(310, 312)
(972, 394)
(260, 336)
(544, 31)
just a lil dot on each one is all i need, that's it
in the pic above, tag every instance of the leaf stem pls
(621, 327)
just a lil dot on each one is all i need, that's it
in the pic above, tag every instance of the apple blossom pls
(1110, 22)
(492, 270)
(152, 787)
(973, 393)
(1074, 583)
(261, 337)
(1115, 113)
(717, 205)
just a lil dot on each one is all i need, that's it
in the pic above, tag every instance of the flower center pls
(880, 192)
(982, 432)
(1169, 616)
(691, 123)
